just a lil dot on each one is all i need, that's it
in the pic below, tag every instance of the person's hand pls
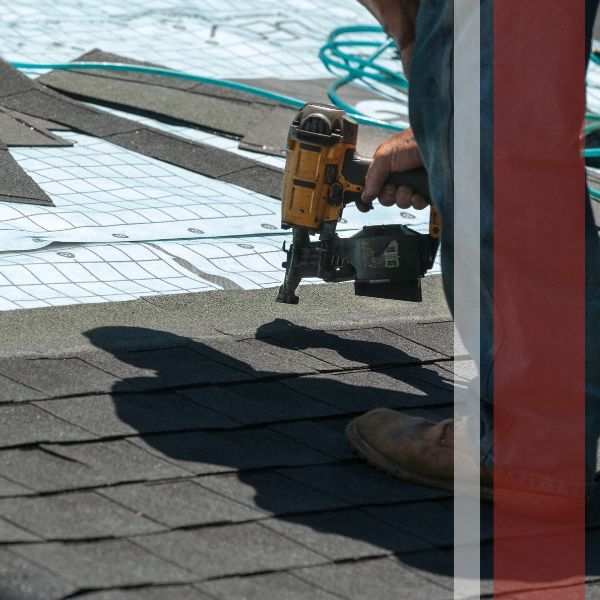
(399, 153)
(398, 18)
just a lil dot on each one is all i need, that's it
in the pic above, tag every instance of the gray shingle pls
(325, 435)
(260, 402)
(21, 579)
(180, 503)
(172, 592)
(11, 533)
(59, 376)
(270, 492)
(103, 563)
(360, 484)
(431, 521)
(437, 336)
(133, 414)
(280, 350)
(383, 579)
(346, 534)
(254, 359)
(273, 586)
(164, 367)
(13, 132)
(75, 515)
(27, 424)
(12, 391)
(229, 550)
(119, 460)
(45, 472)
(355, 347)
(16, 185)
(10, 488)
(364, 390)
(210, 452)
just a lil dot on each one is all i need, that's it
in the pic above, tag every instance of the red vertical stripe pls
(539, 316)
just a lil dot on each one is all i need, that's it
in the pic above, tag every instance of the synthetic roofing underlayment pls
(169, 185)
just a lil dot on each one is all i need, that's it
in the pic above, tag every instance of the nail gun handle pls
(416, 180)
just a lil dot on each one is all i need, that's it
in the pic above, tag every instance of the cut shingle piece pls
(270, 493)
(15, 133)
(21, 578)
(75, 515)
(105, 563)
(180, 503)
(10, 488)
(28, 424)
(132, 414)
(16, 185)
(59, 376)
(229, 550)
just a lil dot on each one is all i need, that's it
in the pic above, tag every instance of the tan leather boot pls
(413, 449)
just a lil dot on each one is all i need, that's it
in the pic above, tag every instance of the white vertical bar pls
(467, 61)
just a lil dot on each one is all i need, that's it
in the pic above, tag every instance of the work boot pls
(421, 451)
(412, 449)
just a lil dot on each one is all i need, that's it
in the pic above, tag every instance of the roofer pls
(401, 445)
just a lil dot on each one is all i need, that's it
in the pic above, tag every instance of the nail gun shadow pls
(430, 523)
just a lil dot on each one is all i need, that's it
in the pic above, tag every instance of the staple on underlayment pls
(19, 93)
(16, 185)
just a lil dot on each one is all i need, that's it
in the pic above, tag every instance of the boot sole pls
(385, 465)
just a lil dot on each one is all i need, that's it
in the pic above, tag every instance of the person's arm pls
(400, 152)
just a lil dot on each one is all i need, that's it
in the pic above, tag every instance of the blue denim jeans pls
(431, 116)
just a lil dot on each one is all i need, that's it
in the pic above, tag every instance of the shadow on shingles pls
(427, 524)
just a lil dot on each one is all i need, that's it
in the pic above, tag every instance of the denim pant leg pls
(431, 114)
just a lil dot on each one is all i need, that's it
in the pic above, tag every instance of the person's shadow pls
(413, 523)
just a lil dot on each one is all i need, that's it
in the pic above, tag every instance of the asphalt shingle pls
(260, 402)
(364, 390)
(273, 586)
(133, 414)
(59, 376)
(118, 461)
(384, 579)
(229, 550)
(43, 471)
(270, 493)
(346, 534)
(212, 452)
(13, 391)
(180, 503)
(28, 424)
(75, 515)
(359, 484)
(103, 563)
(21, 579)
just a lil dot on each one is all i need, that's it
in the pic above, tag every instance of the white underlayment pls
(126, 225)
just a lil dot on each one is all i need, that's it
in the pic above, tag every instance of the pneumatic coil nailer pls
(323, 174)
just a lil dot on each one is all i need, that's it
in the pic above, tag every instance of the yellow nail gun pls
(323, 174)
